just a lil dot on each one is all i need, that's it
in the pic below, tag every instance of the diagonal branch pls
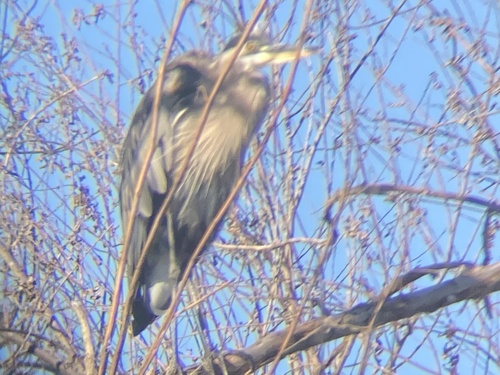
(383, 189)
(473, 283)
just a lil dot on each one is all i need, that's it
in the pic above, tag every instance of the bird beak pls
(267, 55)
(284, 54)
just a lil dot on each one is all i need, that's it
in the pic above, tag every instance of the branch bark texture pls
(473, 283)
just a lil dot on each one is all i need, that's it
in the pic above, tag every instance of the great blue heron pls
(239, 108)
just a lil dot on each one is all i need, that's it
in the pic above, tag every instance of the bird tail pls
(142, 315)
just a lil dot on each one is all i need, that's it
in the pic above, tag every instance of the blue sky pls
(378, 132)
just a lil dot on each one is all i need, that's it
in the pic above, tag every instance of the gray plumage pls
(238, 109)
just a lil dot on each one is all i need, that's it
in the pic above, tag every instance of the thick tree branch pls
(384, 189)
(50, 359)
(473, 283)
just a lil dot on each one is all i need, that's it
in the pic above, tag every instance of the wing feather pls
(161, 269)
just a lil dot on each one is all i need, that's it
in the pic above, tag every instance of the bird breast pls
(238, 109)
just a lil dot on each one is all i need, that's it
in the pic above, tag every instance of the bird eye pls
(251, 47)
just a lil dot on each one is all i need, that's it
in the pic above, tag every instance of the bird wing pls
(179, 87)
(135, 150)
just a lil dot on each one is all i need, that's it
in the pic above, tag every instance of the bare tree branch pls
(381, 154)
(473, 283)
(385, 189)
(53, 360)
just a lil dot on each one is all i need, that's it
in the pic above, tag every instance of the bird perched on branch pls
(240, 106)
